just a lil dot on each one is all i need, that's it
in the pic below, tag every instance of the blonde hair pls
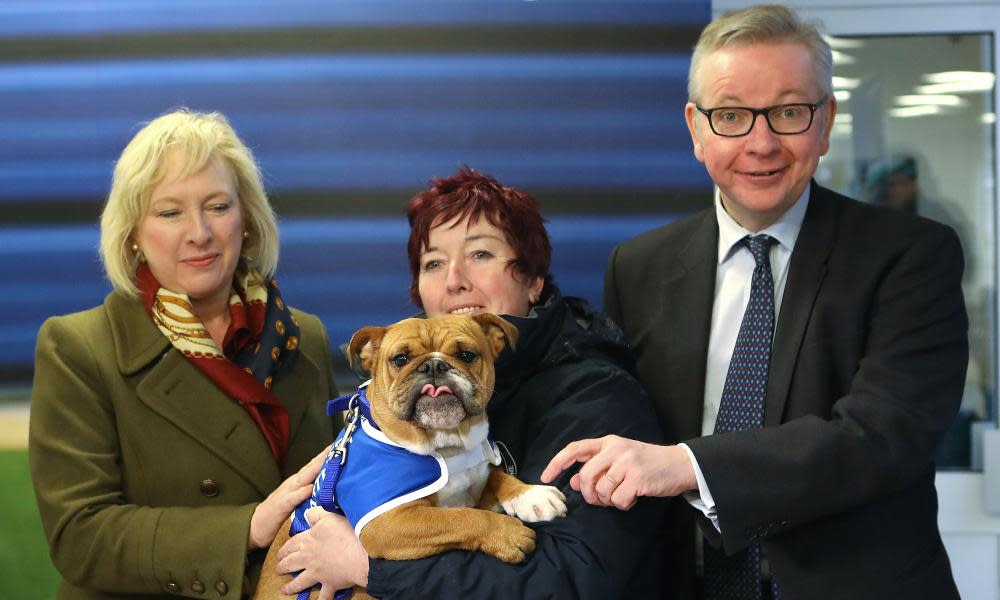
(200, 137)
(762, 24)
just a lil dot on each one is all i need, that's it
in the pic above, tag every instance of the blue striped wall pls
(344, 133)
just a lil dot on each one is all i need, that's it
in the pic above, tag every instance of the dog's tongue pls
(430, 390)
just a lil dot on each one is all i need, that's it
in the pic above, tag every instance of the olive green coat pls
(146, 474)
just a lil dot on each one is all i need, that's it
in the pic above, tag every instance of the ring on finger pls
(612, 479)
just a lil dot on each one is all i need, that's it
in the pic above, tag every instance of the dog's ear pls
(364, 344)
(497, 330)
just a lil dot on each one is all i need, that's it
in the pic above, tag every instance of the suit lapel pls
(180, 393)
(805, 277)
(689, 287)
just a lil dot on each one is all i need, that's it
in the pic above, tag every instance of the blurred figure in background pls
(894, 182)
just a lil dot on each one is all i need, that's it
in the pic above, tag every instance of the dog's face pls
(431, 377)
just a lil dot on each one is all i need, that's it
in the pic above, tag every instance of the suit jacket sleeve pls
(895, 332)
(98, 540)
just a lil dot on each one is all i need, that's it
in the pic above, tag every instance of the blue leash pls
(324, 488)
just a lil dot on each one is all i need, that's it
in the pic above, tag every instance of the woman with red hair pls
(479, 246)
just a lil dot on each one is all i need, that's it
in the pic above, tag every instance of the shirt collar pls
(785, 229)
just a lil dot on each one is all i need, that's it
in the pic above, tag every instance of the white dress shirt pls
(732, 293)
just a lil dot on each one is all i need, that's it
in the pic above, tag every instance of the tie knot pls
(760, 247)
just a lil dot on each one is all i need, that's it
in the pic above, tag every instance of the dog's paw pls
(509, 540)
(538, 503)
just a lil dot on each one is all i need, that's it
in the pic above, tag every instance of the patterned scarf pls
(261, 343)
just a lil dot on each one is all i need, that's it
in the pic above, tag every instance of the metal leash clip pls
(350, 425)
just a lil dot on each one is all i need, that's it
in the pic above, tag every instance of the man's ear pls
(690, 116)
(499, 332)
(831, 115)
(364, 344)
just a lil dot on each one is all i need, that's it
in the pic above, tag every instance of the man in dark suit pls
(806, 352)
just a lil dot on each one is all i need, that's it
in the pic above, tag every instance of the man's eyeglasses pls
(783, 119)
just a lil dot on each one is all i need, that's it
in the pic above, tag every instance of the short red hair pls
(471, 195)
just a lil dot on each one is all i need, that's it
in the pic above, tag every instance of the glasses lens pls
(790, 118)
(731, 121)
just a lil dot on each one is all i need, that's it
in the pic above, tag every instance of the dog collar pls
(339, 405)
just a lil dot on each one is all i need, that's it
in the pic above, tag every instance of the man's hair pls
(762, 24)
(200, 138)
(471, 195)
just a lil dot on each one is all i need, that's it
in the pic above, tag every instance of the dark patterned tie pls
(738, 577)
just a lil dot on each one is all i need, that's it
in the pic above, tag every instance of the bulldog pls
(424, 445)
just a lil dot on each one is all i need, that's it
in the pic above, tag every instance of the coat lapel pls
(180, 393)
(690, 287)
(296, 389)
(805, 277)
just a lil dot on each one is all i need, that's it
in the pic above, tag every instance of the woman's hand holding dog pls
(328, 553)
(274, 511)
(617, 471)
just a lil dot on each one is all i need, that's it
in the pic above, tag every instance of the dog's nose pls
(434, 366)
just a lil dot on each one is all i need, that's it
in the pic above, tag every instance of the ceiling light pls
(935, 99)
(842, 43)
(839, 58)
(955, 87)
(914, 111)
(957, 82)
(952, 76)
(846, 83)
(842, 95)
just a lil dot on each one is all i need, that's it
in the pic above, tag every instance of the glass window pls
(914, 132)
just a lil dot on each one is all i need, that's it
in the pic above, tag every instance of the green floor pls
(25, 570)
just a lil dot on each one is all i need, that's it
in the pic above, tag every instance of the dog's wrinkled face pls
(432, 375)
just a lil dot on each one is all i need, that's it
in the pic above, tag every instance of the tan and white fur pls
(431, 382)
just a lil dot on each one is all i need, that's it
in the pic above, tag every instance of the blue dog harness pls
(381, 475)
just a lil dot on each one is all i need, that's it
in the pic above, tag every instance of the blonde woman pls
(165, 422)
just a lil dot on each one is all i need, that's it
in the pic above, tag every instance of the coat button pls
(210, 488)
(221, 587)
(173, 588)
(197, 587)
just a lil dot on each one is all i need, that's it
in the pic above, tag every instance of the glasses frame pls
(755, 112)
